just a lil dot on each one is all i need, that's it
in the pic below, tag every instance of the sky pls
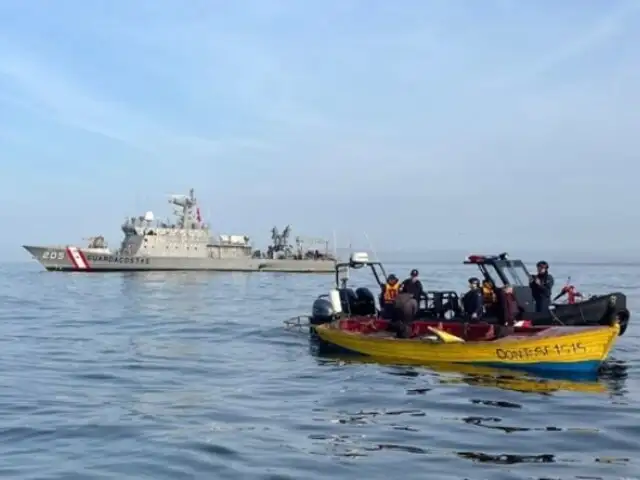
(411, 125)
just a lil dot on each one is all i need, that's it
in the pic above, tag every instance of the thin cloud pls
(601, 32)
(53, 95)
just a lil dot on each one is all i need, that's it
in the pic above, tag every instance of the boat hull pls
(577, 349)
(74, 259)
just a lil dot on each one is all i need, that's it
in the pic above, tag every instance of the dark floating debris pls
(406, 428)
(611, 460)
(492, 403)
(418, 391)
(404, 373)
(507, 459)
(482, 422)
(401, 448)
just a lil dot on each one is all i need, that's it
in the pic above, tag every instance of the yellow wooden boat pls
(571, 349)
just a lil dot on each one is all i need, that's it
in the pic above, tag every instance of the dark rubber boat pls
(359, 304)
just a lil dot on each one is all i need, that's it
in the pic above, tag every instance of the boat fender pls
(623, 318)
(334, 297)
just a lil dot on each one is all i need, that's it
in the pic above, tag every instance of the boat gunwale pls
(556, 332)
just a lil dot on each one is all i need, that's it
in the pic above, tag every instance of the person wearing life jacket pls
(472, 303)
(488, 294)
(488, 297)
(390, 292)
(541, 285)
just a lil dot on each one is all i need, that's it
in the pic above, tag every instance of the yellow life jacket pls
(488, 295)
(390, 292)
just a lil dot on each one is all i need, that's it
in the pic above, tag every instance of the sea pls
(198, 376)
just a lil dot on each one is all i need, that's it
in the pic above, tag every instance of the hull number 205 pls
(53, 255)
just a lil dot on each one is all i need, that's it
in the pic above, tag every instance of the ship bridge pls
(186, 236)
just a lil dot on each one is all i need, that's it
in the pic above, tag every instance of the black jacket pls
(472, 302)
(542, 291)
(414, 288)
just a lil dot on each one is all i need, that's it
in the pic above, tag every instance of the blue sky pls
(425, 124)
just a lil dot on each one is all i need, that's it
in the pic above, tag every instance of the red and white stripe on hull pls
(522, 323)
(78, 259)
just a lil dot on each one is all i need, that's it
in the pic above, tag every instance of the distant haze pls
(431, 126)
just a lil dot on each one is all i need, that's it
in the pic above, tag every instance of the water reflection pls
(611, 379)
(135, 280)
(614, 374)
(181, 293)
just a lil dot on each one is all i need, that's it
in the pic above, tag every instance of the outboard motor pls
(348, 300)
(365, 303)
(324, 310)
(321, 311)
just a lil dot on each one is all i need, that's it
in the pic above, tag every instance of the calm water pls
(192, 375)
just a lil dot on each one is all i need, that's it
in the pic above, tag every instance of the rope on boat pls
(299, 322)
(556, 318)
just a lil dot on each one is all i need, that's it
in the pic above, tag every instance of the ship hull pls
(73, 259)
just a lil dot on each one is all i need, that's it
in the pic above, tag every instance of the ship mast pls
(187, 211)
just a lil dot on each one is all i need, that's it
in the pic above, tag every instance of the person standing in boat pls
(507, 311)
(406, 304)
(413, 286)
(489, 297)
(541, 285)
(472, 301)
(390, 291)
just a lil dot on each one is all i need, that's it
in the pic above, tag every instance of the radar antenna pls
(188, 214)
(280, 242)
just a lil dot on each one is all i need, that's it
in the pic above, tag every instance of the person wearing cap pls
(541, 286)
(413, 285)
(472, 301)
(390, 291)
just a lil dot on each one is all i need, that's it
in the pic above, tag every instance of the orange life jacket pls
(488, 295)
(390, 292)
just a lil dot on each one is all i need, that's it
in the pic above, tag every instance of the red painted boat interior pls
(467, 331)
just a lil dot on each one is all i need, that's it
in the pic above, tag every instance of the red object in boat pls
(523, 324)
(468, 331)
(571, 293)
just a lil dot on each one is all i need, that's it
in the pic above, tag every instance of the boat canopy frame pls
(509, 272)
(358, 261)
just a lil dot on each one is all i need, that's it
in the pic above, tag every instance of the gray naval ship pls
(185, 244)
